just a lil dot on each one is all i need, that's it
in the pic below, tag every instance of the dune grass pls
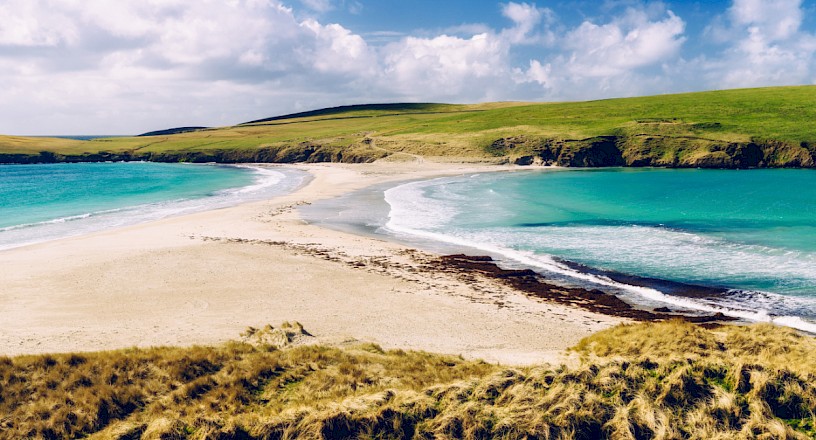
(683, 124)
(659, 380)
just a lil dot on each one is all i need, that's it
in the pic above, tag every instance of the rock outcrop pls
(302, 152)
(654, 151)
(638, 150)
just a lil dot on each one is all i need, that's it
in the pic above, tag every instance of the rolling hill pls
(766, 127)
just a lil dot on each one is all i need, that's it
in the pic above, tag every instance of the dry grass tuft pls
(666, 380)
(289, 333)
(763, 344)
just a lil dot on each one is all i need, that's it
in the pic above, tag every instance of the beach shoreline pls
(56, 219)
(205, 277)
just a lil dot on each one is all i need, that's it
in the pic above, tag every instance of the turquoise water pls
(46, 201)
(751, 232)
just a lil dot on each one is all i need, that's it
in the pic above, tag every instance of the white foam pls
(266, 178)
(665, 253)
(549, 264)
(796, 322)
(267, 183)
(410, 208)
(415, 215)
(47, 222)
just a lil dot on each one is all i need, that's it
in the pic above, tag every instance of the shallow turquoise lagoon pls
(750, 232)
(47, 201)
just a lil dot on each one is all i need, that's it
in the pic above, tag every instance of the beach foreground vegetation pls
(657, 380)
(766, 127)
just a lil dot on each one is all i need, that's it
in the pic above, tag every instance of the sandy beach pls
(206, 277)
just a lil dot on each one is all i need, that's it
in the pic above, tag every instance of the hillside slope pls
(768, 127)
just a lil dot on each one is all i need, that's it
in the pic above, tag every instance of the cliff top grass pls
(657, 380)
(778, 113)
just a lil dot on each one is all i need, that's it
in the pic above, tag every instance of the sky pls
(70, 67)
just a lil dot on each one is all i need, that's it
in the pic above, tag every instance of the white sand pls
(203, 278)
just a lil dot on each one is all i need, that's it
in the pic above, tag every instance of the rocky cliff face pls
(303, 152)
(598, 151)
(638, 150)
(657, 151)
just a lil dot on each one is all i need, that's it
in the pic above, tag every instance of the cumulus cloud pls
(764, 45)
(627, 43)
(127, 56)
(526, 17)
(448, 67)
(603, 59)
(91, 66)
(775, 19)
(335, 49)
(536, 73)
(444, 65)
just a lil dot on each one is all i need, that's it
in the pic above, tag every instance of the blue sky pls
(129, 66)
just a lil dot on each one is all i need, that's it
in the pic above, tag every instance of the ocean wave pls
(410, 207)
(266, 183)
(415, 214)
(266, 178)
(670, 254)
(47, 222)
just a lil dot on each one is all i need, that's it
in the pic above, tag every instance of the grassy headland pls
(767, 127)
(658, 380)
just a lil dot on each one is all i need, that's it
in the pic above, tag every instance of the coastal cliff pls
(598, 151)
(654, 151)
(748, 128)
(304, 152)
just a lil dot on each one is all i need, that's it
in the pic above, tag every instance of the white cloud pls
(136, 54)
(443, 66)
(536, 73)
(622, 45)
(454, 68)
(145, 57)
(526, 17)
(764, 45)
(618, 58)
(336, 49)
(91, 66)
(26, 23)
(774, 19)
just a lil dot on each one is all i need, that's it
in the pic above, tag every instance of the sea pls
(739, 242)
(42, 202)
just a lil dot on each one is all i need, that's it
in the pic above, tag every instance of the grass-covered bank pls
(768, 127)
(658, 380)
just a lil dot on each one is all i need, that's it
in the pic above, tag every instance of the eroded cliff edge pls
(629, 150)
(654, 151)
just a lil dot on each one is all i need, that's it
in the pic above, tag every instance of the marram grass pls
(660, 380)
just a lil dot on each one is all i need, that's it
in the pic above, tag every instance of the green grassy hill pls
(669, 380)
(767, 127)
